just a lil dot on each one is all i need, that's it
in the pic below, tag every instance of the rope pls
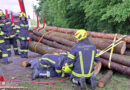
(21, 81)
(112, 49)
(35, 47)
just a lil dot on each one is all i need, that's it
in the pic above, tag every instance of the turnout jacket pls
(8, 28)
(23, 30)
(82, 58)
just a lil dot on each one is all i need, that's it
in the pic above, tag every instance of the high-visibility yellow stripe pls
(14, 27)
(58, 71)
(80, 75)
(26, 25)
(1, 33)
(12, 24)
(18, 27)
(92, 59)
(48, 74)
(71, 56)
(8, 49)
(1, 24)
(2, 41)
(22, 38)
(11, 36)
(15, 48)
(22, 50)
(48, 60)
(8, 23)
(18, 31)
(44, 65)
(63, 75)
(81, 62)
(22, 25)
(4, 55)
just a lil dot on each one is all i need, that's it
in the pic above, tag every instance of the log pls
(63, 30)
(97, 68)
(103, 43)
(128, 46)
(42, 49)
(93, 34)
(51, 43)
(121, 59)
(127, 52)
(105, 79)
(57, 39)
(117, 67)
(63, 35)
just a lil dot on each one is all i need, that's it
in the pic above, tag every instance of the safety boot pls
(93, 82)
(16, 52)
(82, 82)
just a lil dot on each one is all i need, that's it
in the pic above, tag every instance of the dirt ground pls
(117, 82)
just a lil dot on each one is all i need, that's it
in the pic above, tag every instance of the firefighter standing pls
(23, 35)
(82, 56)
(10, 34)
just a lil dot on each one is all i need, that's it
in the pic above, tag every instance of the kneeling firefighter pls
(23, 34)
(49, 66)
(82, 55)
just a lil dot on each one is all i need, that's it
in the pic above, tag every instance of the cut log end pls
(101, 85)
(97, 68)
(123, 49)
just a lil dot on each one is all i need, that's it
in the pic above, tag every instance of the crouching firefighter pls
(23, 34)
(3, 50)
(82, 55)
(9, 29)
(49, 66)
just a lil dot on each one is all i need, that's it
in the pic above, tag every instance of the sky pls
(13, 5)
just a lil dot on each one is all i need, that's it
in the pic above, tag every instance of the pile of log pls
(59, 39)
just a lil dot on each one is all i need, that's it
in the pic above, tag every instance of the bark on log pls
(117, 67)
(63, 35)
(99, 43)
(128, 46)
(63, 30)
(103, 43)
(105, 79)
(43, 49)
(57, 39)
(51, 43)
(121, 59)
(93, 34)
(127, 52)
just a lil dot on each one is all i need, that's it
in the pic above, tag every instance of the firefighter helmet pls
(80, 34)
(22, 14)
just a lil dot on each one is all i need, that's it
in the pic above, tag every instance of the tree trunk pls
(121, 59)
(127, 52)
(42, 49)
(105, 79)
(57, 39)
(63, 35)
(93, 34)
(103, 43)
(128, 46)
(117, 67)
(51, 43)
(63, 30)
(108, 36)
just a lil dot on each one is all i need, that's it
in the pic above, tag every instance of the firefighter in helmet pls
(3, 51)
(23, 34)
(82, 56)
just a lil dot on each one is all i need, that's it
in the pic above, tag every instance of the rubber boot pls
(35, 74)
(16, 52)
(22, 54)
(82, 82)
(93, 82)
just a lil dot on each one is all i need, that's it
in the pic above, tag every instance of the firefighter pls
(23, 34)
(49, 63)
(10, 34)
(82, 56)
(3, 48)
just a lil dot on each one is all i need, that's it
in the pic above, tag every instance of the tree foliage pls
(97, 15)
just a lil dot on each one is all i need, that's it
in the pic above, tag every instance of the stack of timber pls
(62, 39)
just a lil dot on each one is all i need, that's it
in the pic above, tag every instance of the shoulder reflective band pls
(71, 56)
(81, 62)
(8, 23)
(48, 73)
(48, 60)
(92, 59)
